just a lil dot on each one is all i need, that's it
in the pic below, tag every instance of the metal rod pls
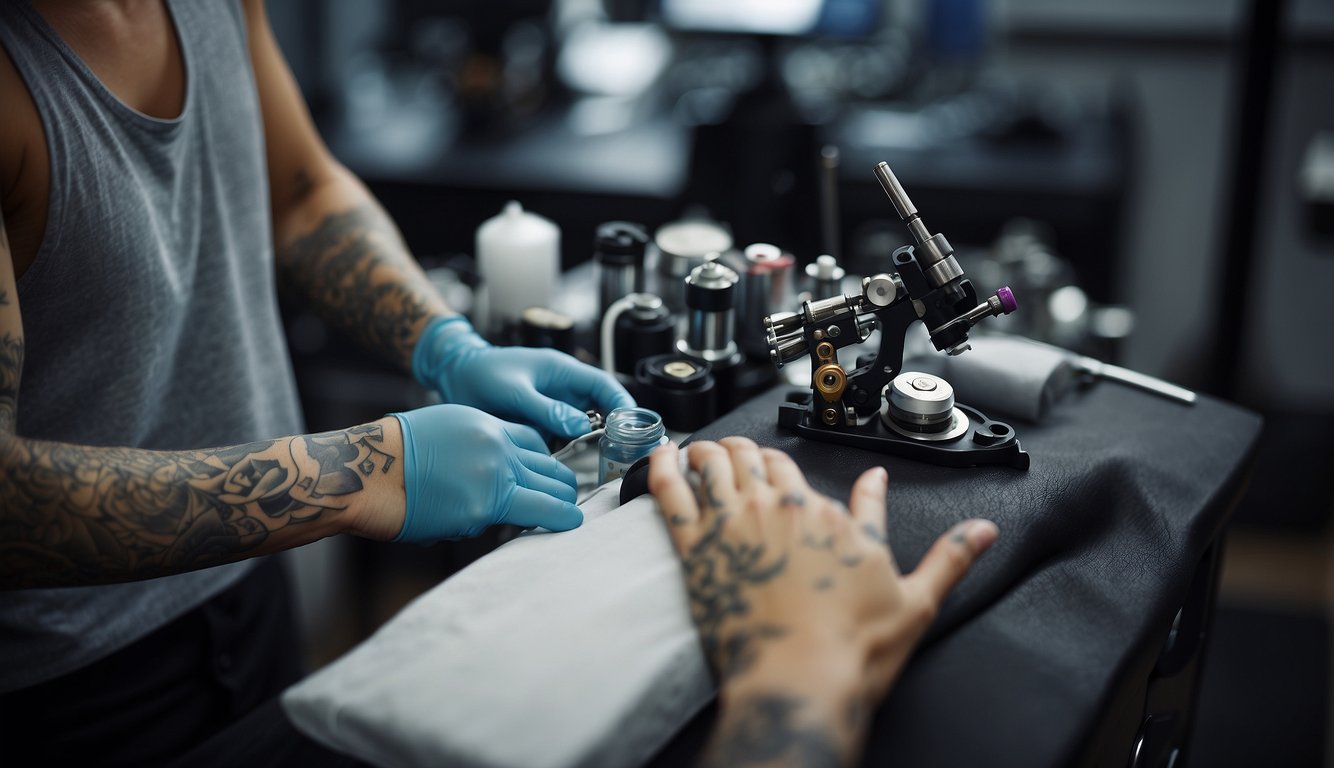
(829, 162)
(895, 191)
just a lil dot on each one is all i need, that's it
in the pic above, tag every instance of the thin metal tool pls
(1098, 369)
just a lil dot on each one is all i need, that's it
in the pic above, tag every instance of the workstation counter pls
(1065, 639)
(1076, 640)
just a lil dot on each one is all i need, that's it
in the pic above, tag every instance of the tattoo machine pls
(878, 406)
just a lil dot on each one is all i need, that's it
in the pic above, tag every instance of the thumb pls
(950, 558)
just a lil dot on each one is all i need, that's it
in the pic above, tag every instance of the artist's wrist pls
(378, 511)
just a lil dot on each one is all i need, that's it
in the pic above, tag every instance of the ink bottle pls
(630, 435)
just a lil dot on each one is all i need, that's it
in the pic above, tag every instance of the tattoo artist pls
(804, 617)
(161, 177)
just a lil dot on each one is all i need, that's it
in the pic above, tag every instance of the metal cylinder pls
(681, 246)
(880, 290)
(766, 287)
(921, 407)
(826, 277)
(781, 324)
(710, 296)
(819, 311)
(921, 402)
(784, 351)
(619, 247)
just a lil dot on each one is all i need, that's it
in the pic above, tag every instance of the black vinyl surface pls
(1036, 658)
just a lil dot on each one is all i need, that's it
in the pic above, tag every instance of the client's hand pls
(801, 611)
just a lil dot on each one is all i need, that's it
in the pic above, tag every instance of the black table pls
(1076, 639)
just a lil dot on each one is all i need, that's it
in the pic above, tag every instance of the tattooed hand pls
(802, 613)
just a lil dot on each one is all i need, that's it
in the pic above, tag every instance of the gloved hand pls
(464, 470)
(541, 387)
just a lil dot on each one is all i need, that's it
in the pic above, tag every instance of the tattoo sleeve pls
(11, 364)
(355, 271)
(11, 340)
(81, 515)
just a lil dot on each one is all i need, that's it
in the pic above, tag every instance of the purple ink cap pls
(1006, 296)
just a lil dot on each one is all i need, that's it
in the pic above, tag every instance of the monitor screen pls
(798, 18)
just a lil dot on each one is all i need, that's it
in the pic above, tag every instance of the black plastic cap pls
(620, 242)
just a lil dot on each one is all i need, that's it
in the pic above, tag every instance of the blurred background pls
(1155, 179)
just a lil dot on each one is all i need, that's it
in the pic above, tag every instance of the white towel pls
(569, 649)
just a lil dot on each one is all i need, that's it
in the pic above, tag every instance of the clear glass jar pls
(630, 435)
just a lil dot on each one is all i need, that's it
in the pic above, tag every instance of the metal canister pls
(710, 325)
(619, 248)
(766, 288)
(710, 299)
(681, 246)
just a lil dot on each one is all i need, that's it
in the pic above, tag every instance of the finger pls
(586, 384)
(548, 485)
(544, 464)
(867, 503)
(950, 558)
(717, 487)
(676, 499)
(534, 509)
(525, 437)
(746, 463)
(556, 417)
(786, 478)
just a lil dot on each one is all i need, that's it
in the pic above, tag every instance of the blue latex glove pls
(465, 470)
(541, 387)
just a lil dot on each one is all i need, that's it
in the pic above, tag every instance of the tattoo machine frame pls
(878, 406)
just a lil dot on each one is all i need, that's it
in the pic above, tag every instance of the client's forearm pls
(808, 711)
(72, 514)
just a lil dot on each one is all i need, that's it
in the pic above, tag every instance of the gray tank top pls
(150, 314)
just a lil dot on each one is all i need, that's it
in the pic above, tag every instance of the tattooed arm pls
(335, 246)
(801, 611)
(72, 514)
